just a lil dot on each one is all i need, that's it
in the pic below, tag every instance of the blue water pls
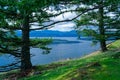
(62, 48)
(74, 48)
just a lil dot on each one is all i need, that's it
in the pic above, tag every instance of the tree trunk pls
(25, 52)
(103, 46)
(101, 28)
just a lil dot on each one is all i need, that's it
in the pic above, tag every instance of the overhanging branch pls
(67, 20)
(10, 67)
(11, 52)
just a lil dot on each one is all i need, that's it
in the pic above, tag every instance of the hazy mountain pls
(50, 33)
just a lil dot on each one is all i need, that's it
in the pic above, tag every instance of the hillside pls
(50, 33)
(96, 66)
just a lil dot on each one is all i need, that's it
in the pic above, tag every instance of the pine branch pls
(15, 53)
(10, 67)
(68, 20)
(16, 15)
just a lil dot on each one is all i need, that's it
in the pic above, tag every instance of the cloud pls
(63, 27)
(68, 15)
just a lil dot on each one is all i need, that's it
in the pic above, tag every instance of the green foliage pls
(21, 15)
(13, 13)
(42, 44)
(104, 20)
(36, 41)
(9, 42)
(90, 32)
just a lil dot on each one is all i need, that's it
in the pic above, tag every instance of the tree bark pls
(25, 52)
(101, 28)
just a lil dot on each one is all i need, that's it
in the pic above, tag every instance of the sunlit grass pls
(114, 45)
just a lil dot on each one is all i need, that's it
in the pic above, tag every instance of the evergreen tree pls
(103, 19)
(22, 15)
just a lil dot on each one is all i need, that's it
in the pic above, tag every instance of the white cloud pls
(68, 15)
(63, 27)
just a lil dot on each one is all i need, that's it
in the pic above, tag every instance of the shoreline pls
(88, 63)
(65, 60)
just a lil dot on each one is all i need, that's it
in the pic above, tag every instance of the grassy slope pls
(96, 66)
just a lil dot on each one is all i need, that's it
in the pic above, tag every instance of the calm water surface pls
(62, 48)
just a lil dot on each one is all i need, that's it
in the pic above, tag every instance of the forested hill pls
(50, 33)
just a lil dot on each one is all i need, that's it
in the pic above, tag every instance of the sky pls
(64, 26)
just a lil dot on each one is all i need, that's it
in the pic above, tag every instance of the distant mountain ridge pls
(50, 33)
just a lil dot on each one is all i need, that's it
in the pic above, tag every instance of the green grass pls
(96, 66)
